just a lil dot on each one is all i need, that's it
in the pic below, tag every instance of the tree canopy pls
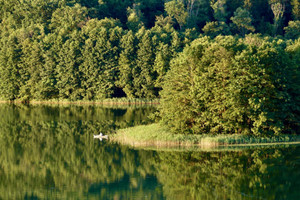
(230, 85)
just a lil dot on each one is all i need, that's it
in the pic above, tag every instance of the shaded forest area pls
(90, 49)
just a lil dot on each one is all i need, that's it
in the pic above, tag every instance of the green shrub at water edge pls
(228, 85)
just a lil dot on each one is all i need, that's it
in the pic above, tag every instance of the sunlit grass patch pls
(125, 100)
(155, 134)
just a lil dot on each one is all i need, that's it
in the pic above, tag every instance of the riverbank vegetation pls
(159, 136)
(104, 102)
(229, 85)
(219, 66)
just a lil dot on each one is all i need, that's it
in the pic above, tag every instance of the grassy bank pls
(156, 135)
(111, 101)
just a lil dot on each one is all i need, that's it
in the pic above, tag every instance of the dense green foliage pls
(230, 85)
(48, 152)
(70, 50)
(96, 49)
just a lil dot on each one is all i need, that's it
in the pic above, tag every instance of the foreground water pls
(48, 152)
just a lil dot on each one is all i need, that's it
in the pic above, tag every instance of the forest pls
(90, 49)
(214, 58)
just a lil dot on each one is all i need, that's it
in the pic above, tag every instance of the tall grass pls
(130, 101)
(111, 101)
(157, 135)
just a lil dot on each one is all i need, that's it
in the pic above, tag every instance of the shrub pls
(230, 85)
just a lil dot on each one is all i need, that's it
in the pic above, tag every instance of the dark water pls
(48, 152)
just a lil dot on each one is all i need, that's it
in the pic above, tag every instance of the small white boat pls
(101, 136)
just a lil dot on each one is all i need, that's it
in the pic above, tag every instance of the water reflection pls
(48, 152)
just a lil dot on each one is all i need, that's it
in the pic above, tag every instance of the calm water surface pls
(48, 152)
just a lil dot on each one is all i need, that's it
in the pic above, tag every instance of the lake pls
(48, 152)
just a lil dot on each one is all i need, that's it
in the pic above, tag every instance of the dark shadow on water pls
(128, 187)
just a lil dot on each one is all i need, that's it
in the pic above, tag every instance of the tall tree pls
(243, 20)
(9, 69)
(176, 9)
(219, 7)
(99, 68)
(126, 64)
(198, 13)
(162, 63)
(292, 31)
(135, 17)
(278, 9)
(143, 73)
(216, 28)
(68, 80)
(31, 64)
(46, 88)
(296, 9)
(66, 19)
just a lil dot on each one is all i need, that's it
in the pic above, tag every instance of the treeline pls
(90, 50)
(97, 61)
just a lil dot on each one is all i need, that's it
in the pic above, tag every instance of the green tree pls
(66, 19)
(126, 63)
(143, 72)
(296, 9)
(31, 64)
(216, 28)
(46, 87)
(134, 20)
(230, 86)
(278, 11)
(176, 9)
(219, 7)
(161, 63)
(292, 31)
(99, 68)
(164, 22)
(242, 19)
(293, 51)
(261, 14)
(67, 72)
(198, 12)
(9, 68)
(115, 9)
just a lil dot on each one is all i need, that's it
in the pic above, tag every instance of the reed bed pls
(157, 135)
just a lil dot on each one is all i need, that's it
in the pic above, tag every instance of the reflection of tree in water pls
(87, 113)
(50, 153)
(129, 187)
(252, 174)
(64, 163)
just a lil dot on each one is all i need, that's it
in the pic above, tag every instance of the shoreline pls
(110, 101)
(154, 135)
